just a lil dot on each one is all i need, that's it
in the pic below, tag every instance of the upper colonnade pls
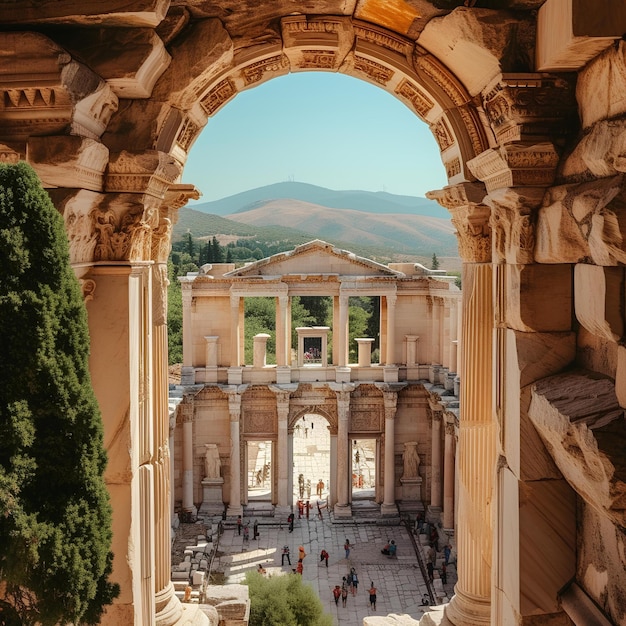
(527, 104)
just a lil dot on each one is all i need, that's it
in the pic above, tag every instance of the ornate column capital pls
(530, 107)
(343, 403)
(390, 400)
(470, 217)
(513, 223)
(234, 406)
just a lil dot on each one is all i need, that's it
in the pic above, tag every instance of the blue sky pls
(320, 128)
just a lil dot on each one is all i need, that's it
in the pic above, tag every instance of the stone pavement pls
(399, 581)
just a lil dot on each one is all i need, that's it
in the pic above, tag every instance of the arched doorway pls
(311, 463)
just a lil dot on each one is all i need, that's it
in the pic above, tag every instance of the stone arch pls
(343, 45)
(297, 412)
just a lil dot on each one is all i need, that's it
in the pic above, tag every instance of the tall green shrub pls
(55, 516)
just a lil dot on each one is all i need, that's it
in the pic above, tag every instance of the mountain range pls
(379, 225)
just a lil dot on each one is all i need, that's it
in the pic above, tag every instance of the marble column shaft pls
(448, 477)
(471, 605)
(282, 451)
(391, 328)
(435, 485)
(389, 478)
(343, 467)
(282, 349)
(188, 458)
(234, 410)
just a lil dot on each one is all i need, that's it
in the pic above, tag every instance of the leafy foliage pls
(284, 601)
(55, 517)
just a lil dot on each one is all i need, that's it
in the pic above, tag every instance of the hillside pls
(366, 201)
(404, 233)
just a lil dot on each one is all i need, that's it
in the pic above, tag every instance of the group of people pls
(245, 526)
(390, 548)
(350, 583)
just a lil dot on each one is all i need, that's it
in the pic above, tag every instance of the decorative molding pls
(376, 72)
(516, 166)
(470, 217)
(523, 107)
(421, 103)
(383, 38)
(93, 113)
(88, 288)
(255, 72)
(218, 96)
(150, 172)
(443, 135)
(318, 59)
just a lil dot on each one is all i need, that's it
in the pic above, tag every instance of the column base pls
(282, 510)
(233, 511)
(169, 609)
(468, 610)
(433, 514)
(342, 511)
(389, 510)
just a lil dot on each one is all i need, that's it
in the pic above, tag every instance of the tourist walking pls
(239, 524)
(255, 529)
(354, 579)
(446, 553)
(346, 547)
(344, 595)
(301, 553)
(320, 488)
(246, 532)
(444, 574)
(372, 596)
(324, 556)
(430, 568)
(285, 555)
(290, 521)
(337, 594)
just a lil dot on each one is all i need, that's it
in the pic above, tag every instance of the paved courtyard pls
(400, 581)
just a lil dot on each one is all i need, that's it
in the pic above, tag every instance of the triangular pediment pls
(315, 258)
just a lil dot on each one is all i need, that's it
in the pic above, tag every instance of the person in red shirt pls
(324, 556)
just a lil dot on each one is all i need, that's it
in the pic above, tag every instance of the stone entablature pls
(415, 302)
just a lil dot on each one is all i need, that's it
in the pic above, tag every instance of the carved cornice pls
(150, 172)
(218, 96)
(470, 217)
(409, 92)
(530, 107)
(376, 72)
(516, 165)
(93, 113)
(259, 70)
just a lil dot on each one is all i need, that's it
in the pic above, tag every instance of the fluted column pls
(389, 506)
(343, 508)
(187, 372)
(235, 360)
(234, 410)
(471, 605)
(391, 329)
(448, 477)
(281, 331)
(188, 505)
(476, 452)
(436, 412)
(282, 450)
(342, 346)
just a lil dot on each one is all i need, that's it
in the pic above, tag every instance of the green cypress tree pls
(55, 516)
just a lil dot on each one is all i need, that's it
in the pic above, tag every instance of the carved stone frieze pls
(427, 65)
(453, 167)
(189, 130)
(8, 154)
(582, 223)
(259, 71)
(258, 420)
(415, 97)
(150, 172)
(513, 223)
(516, 165)
(530, 107)
(317, 42)
(376, 72)
(365, 420)
(218, 96)
(442, 133)
(470, 216)
(383, 38)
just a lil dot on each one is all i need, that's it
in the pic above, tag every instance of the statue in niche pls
(212, 464)
(411, 460)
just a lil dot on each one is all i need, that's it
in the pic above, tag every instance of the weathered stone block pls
(599, 300)
(539, 297)
(583, 427)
